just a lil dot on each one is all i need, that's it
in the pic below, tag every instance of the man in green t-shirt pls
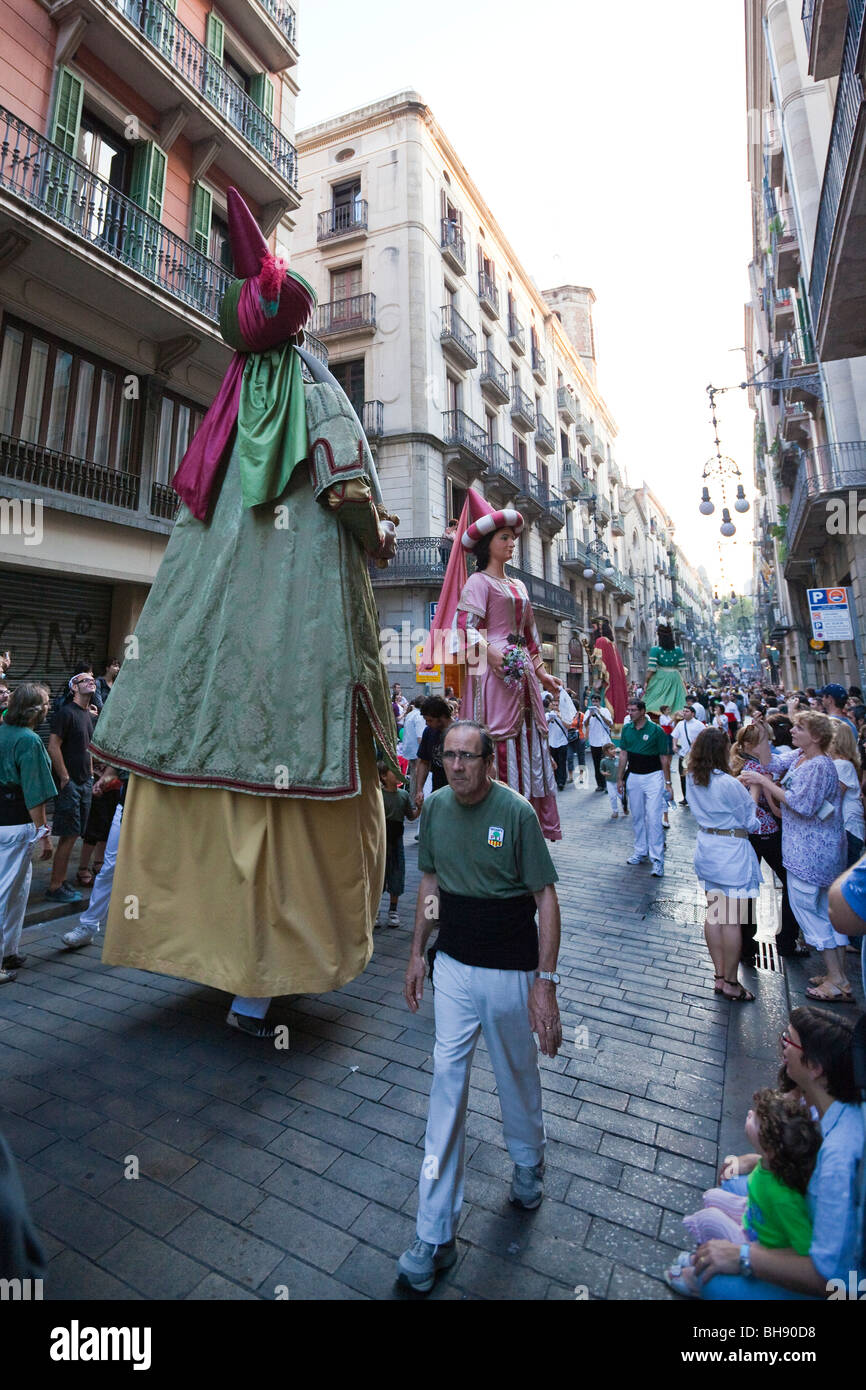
(485, 871)
(26, 786)
(645, 749)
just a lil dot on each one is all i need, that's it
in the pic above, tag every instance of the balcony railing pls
(343, 220)
(283, 16)
(617, 524)
(539, 365)
(488, 294)
(522, 407)
(544, 594)
(494, 377)
(545, 435)
(38, 467)
(164, 501)
(456, 333)
(373, 419)
(572, 476)
(583, 428)
(161, 28)
(849, 100)
(807, 16)
(556, 505)
(532, 486)
(418, 558)
(503, 466)
(460, 429)
(824, 469)
(516, 334)
(802, 348)
(65, 191)
(566, 404)
(453, 245)
(346, 315)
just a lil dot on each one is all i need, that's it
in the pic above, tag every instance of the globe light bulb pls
(599, 586)
(588, 573)
(727, 527)
(706, 507)
(742, 502)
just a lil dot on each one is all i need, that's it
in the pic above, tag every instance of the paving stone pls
(180, 1131)
(349, 1057)
(690, 1123)
(23, 1136)
(665, 1192)
(583, 1163)
(389, 1231)
(517, 1238)
(374, 1181)
(78, 1222)
(369, 1087)
(332, 1128)
(173, 1094)
(688, 1170)
(305, 1150)
(306, 1236)
(222, 1085)
(628, 1151)
(20, 1097)
(331, 1098)
(409, 1128)
(628, 1285)
(153, 1267)
(492, 1277)
(35, 1184)
(402, 1158)
(71, 1278)
(214, 1288)
(136, 1110)
(320, 1196)
(614, 1206)
(601, 1095)
(629, 1248)
(81, 1167)
(221, 1192)
(677, 1142)
(229, 1249)
(235, 1120)
(252, 1164)
(147, 1204)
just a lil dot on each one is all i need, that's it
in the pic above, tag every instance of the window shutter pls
(68, 101)
(214, 36)
(202, 203)
(147, 185)
(262, 92)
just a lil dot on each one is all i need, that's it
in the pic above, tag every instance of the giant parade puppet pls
(607, 672)
(252, 850)
(485, 618)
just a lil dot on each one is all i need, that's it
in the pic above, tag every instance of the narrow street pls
(262, 1169)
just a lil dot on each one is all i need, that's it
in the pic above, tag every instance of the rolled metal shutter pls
(51, 624)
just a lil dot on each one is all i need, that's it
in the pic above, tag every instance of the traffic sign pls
(830, 612)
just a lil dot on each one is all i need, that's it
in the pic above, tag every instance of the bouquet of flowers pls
(515, 662)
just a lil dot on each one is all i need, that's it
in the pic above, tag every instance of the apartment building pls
(122, 125)
(806, 321)
(463, 371)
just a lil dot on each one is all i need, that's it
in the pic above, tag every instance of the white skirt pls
(727, 864)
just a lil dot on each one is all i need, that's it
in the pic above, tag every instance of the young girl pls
(608, 769)
(846, 759)
(398, 807)
(770, 1205)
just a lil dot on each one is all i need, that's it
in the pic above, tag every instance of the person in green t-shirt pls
(645, 750)
(399, 807)
(26, 785)
(486, 870)
(770, 1205)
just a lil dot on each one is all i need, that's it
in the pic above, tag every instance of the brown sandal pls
(839, 996)
(743, 995)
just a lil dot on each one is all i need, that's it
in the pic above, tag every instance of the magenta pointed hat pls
(249, 247)
(286, 298)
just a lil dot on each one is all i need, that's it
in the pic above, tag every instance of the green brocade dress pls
(666, 685)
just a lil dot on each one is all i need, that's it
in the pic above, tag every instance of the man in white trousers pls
(486, 870)
(644, 750)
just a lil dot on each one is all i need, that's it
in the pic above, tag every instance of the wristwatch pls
(746, 1262)
(547, 975)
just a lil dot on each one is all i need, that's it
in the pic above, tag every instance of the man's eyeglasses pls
(789, 1042)
(451, 756)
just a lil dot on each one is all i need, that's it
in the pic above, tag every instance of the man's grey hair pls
(487, 745)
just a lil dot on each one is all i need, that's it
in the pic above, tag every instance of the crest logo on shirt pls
(645, 737)
(495, 836)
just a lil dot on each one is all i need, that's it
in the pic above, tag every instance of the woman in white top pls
(846, 759)
(725, 862)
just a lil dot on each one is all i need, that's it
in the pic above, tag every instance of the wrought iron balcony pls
(583, 428)
(283, 16)
(503, 468)
(566, 404)
(516, 334)
(574, 555)
(573, 479)
(522, 409)
(613, 471)
(552, 598)
(419, 559)
(494, 378)
(545, 435)
(488, 295)
(807, 15)
(164, 501)
(47, 470)
(373, 419)
(532, 487)
(461, 430)
(824, 470)
(453, 246)
(555, 511)
(457, 338)
(539, 366)
(617, 524)
(602, 509)
(354, 315)
(802, 348)
(68, 193)
(350, 219)
(597, 446)
(163, 31)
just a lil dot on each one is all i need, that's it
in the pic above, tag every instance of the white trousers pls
(469, 999)
(16, 843)
(615, 803)
(95, 915)
(809, 904)
(646, 800)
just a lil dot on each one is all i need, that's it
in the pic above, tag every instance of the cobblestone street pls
(263, 1168)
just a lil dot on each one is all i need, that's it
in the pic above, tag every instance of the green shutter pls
(262, 93)
(68, 100)
(214, 36)
(202, 202)
(147, 189)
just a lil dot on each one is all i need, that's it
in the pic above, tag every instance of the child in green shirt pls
(608, 768)
(398, 807)
(770, 1205)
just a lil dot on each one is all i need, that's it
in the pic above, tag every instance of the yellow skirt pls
(256, 895)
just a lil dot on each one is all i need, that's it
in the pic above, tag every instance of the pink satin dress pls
(500, 609)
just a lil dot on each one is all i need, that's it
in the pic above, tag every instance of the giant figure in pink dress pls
(616, 694)
(495, 625)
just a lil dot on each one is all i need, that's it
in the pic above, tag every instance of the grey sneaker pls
(637, 859)
(78, 936)
(658, 869)
(527, 1188)
(419, 1265)
(253, 1027)
(63, 894)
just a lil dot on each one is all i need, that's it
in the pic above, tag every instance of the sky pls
(609, 139)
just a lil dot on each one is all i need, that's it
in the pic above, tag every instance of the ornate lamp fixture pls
(724, 469)
(598, 563)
